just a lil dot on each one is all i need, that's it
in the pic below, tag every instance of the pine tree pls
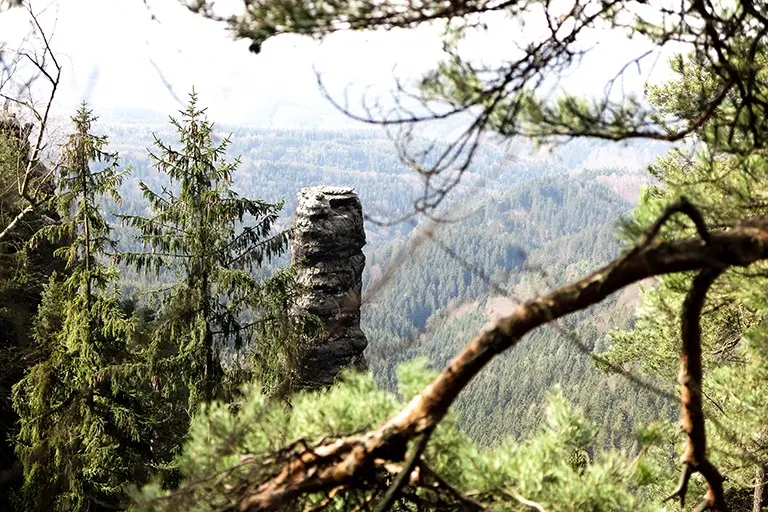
(212, 238)
(556, 469)
(726, 180)
(78, 420)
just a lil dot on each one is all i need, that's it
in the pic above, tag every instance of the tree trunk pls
(761, 493)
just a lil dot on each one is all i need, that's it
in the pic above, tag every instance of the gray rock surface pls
(326, 252)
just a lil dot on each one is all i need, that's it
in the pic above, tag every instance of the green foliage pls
(84, 405)
(22, 276)
(212, 238)
(533, 217)
(78, 427)
(556, 468)
(540, 234)
(726, 182)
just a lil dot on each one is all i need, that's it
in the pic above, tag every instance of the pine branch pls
(690, 378)
(405, 473)
(342, 461)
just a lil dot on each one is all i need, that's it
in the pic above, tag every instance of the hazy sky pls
(116, 56)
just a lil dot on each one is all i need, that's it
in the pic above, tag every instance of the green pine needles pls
(76, 421)
(230, 451)
(103, 407)
(212, 238)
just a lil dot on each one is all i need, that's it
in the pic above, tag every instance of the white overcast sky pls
(116, 56)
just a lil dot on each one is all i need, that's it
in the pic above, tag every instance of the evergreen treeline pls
(532, 225)
(275, 164)
(99, 385)
(146, 323)
(537, 236)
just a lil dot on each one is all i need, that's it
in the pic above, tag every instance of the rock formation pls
(326, 252)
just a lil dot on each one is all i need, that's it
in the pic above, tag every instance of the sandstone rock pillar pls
(326, 253)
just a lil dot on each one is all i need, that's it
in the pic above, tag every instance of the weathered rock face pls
(326, 252)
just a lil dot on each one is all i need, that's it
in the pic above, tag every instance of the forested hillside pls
(567, 249)
(275, 164)
(522, 242)
(535, 222)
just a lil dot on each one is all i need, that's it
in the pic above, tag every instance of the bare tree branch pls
(515, 97)
(32, 168)
(23, 213)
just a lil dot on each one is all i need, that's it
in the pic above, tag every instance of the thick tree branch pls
(405, 473)
(694, 457)
(343, 461)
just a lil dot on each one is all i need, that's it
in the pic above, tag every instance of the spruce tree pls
(212, 238)
(78, 424)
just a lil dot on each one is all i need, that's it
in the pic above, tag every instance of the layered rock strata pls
(326, 253)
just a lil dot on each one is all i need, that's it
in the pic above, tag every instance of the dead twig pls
(32, 168)
(404, 475)
(528, 503)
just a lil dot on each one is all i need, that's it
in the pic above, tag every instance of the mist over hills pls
(275, 163)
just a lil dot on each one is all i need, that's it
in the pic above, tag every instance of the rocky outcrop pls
(16, 133)
(326, 253)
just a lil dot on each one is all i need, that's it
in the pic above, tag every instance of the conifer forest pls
(404, 255)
